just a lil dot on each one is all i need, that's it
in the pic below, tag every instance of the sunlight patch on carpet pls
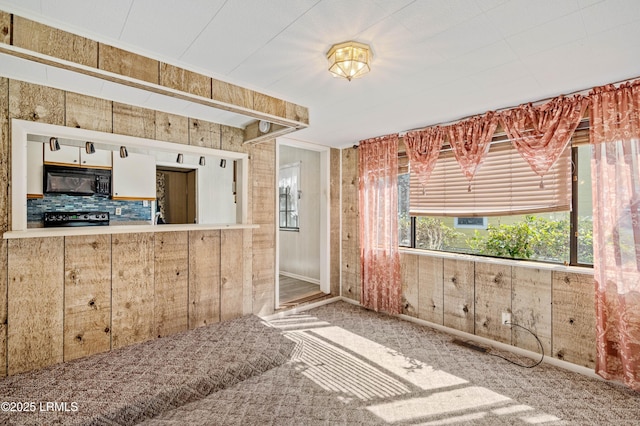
(472, 397)
(409, 369)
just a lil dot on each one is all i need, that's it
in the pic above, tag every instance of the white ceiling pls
(434, 61)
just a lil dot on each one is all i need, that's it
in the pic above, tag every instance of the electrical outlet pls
(506, 317)
(118, 211)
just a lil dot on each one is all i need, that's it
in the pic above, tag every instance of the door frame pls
(325, 205)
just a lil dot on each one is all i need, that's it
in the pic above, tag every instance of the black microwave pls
(76, 181)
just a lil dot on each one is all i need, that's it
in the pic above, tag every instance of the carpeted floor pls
(337, 364)
(127, 385)
(355, 367)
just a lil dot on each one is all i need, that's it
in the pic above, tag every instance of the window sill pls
(499, 261)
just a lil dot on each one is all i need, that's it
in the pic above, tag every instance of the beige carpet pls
(355, 367)
(128, 385)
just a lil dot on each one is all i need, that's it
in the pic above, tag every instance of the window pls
(289, 196)
(506, 214)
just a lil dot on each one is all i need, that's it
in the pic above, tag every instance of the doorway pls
(303, 222)
(176, 195)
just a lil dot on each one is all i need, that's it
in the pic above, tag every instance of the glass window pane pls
(543, 236)
(585, 207)
(404, 221)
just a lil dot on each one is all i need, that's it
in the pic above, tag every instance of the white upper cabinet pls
(133, 177)
(72, 155)
(35, 173)
(65, 155)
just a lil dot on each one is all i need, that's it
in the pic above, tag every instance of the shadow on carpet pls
(131, 384)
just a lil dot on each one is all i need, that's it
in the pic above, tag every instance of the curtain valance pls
(541, 133)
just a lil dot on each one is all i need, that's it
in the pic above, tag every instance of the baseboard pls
(301, 308)
(300, 277)
(504, 346)
(467, 336)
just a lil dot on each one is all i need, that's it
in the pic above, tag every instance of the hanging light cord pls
(517, 363)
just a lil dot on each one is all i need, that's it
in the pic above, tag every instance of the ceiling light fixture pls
(223, 163)
(349, 59)
(123, 152)
(202, 161)
(180, 159)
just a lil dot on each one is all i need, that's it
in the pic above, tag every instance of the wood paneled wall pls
(350, 262)
(70, 297)
(36, 37)
(471, 297)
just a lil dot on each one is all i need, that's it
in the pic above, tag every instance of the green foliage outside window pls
(534, 238)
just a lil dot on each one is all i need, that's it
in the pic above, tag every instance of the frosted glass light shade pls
(349, 59)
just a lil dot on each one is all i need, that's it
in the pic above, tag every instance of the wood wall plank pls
(171, 273)
(410, 287)
(87, 295)
(204, 133)
(350, 233)
(574, 318)
(431, 289)
(204, 278)
(33, 102)
(531, 304)
(87, 112)
(231, 94)
(493, 297)
(459, 307)
(128, 64)
(51, 41)
(297, 113)
(134, 121)
(334, 221)
(247, 271)
(185, 80)
(5, 27)
(172, 128)
(35, 323)
(263, 205)
(3, 307)
(231, 274)
(269, 104)
(132, 316)
(5, 161)
(5, 198)
(233, 139)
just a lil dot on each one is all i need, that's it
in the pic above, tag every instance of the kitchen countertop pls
(119, 229)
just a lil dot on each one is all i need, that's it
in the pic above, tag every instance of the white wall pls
(300, 251)
(214, 186)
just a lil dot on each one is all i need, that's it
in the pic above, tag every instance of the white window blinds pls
(504, 185)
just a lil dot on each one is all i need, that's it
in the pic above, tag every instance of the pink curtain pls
(423, 149)
(615, 169)
(470, 140)
(378, 202)
(541, 133)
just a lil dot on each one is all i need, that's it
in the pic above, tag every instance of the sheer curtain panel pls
(615, 169)
(378, 203)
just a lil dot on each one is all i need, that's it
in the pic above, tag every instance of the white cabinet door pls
(35, 172)
(65, 155)
(133, 177)
(100, 158)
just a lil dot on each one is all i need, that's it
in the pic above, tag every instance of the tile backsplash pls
(132, 211)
